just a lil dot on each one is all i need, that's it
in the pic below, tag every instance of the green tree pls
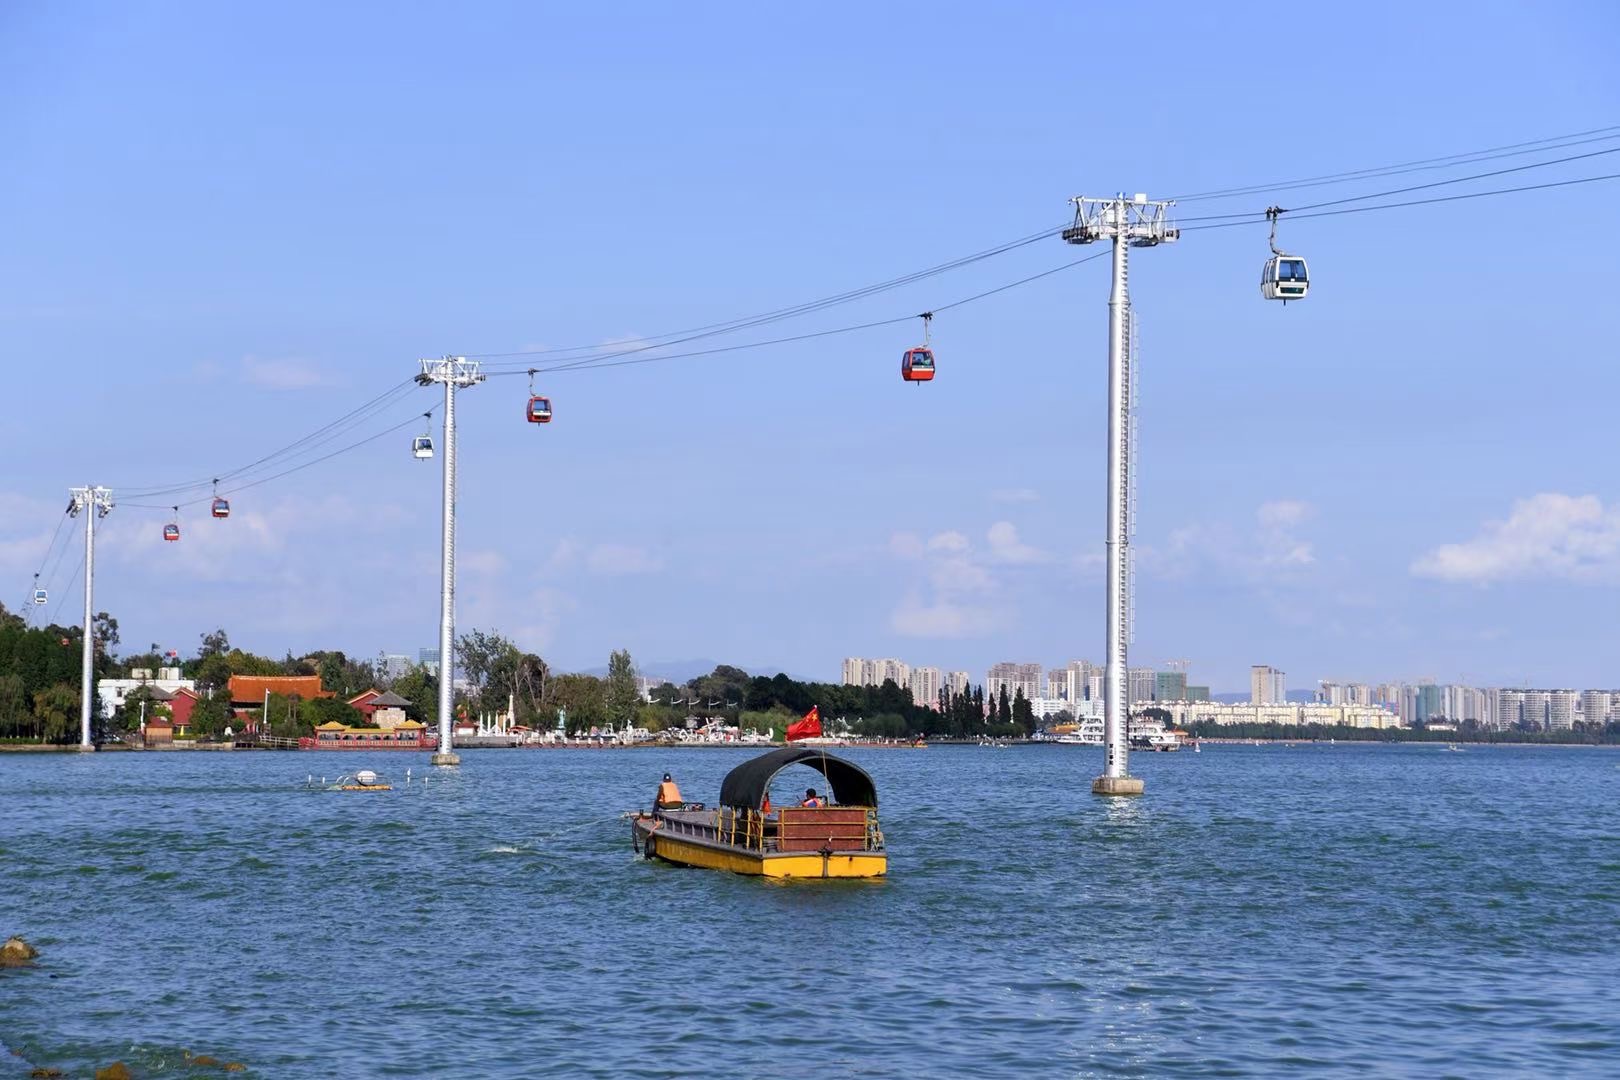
(620, 695)
(584, 697)
(10, 620)
(212, 713)
(1023, 713)
(215, 644)
(106, 632)
(420, 689)
(311, 714)
(57, 709)
(490, 663)
(16, 715)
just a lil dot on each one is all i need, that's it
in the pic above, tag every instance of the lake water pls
(1338, 911)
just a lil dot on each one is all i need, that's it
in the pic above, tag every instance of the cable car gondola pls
(422, 445)
(1285, 276)
(539, 409)
(171, 531)
(917, 365)
(221, 508)
(40, 596)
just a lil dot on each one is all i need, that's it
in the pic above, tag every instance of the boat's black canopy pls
(744, 787)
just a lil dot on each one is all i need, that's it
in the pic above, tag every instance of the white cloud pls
(288, 374)
(1273, 544)
(954, 589)
(906, 545)
(1015, 495)
(958, 573)
(603, 560)
(1569, 537)
(940, 619)
(1282, 513)
(615, 560)
(1005, 546)
(486, 562)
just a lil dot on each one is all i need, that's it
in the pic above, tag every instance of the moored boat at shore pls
(839, 838)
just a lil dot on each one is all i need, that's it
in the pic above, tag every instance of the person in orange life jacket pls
(669, 796)
(812, 799)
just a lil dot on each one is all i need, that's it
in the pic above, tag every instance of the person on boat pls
(812, 799)
(669, 796)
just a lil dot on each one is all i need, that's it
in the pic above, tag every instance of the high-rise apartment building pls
(925, 683)
(1015, 677)
(1170, 686)
(1267, 686)
(1535, 709)
(1508, 707)
(391, 666)
(886, 669)
(1595, 706)
(1561, 706)
(1095, 684)
(1140, 684)
(1070, 682)
(861, 672)
(958, 681)
(1197, 693)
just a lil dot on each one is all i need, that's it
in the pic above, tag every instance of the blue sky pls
(228, 225)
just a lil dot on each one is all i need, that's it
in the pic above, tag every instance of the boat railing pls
(789, 829)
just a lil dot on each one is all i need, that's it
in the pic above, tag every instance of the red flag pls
(808, 728)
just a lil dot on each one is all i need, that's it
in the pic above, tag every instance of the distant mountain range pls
(680, 671)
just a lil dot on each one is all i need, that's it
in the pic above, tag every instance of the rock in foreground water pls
(116, 1071)
(17, 953)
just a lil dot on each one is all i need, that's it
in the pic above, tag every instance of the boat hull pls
(655, 843)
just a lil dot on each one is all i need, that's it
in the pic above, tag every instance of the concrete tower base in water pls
(1118, 785)
(445, 759)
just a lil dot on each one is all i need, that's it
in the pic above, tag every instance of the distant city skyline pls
(1077, 687)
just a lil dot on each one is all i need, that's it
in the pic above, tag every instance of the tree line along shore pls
(40, 669)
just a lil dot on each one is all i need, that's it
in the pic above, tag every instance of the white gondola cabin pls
(539, 410)
(1285, 278)
(40, 596)
(421, 447)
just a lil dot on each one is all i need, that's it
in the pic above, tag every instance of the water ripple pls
(1338, 911)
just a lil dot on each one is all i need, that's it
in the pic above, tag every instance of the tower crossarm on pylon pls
(456, 370)
(82, 498)
(1141, 221)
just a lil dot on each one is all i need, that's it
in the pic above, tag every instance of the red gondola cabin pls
(221, 508)
(917, 365)
(171, 532)
(539, 411)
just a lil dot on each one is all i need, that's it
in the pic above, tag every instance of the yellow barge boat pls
(744, 835)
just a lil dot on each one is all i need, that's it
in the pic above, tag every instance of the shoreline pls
(73, 748)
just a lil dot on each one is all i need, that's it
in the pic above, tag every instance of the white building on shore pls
(1183, 713)
(114, 692)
